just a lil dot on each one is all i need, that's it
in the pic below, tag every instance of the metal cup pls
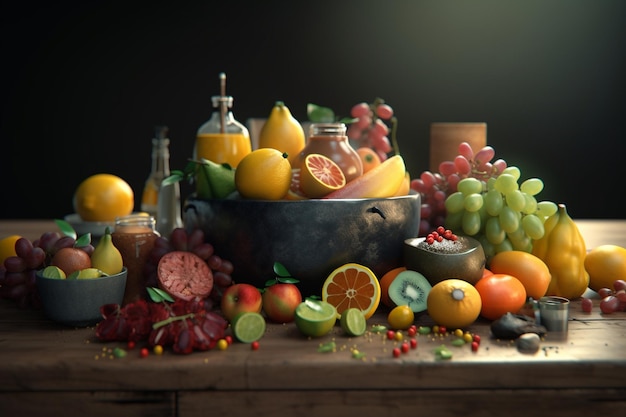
(554, 313)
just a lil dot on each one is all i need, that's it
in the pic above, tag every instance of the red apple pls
(280, 301)
(239, 298)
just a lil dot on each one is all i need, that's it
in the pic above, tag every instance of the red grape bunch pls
(180, 240)
(612, 299)
(370, 129)
(17, 275)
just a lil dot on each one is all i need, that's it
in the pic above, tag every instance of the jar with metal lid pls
(134, 236)
(330, 140)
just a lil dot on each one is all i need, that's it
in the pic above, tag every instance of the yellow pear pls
(283, 132)
(106, 257)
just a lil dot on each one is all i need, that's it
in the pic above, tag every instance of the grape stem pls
(172, 319)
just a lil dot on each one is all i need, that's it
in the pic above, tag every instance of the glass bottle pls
(134, 237)
(160, 170)
(330, 139)
(222, 139)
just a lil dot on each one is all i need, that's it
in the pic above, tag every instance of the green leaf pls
(289, 280)
(281, 271)
(83, 241)
(271, 282)
(172, 179)
(320, 114)
(65, 228)
(348, 120)
(158, 295)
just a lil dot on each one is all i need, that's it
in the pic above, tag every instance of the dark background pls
(83, 86)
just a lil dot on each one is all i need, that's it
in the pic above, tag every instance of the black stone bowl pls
(309, 237)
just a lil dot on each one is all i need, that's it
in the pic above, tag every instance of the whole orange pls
(369, 158)
(385, 281)
(454, 303)
(500, 294)
(532, 272)
(71, 260)
(102, 198)
(605, 264)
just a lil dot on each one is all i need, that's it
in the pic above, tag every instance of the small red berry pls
(443, 330)
(475, 346)
(411, 332)
(391, 334)
(404, 347)
(229, 339)
(131, 344)
(476, 338)
(255, 345)
(144, 352)
(413, 343)
(396, 352)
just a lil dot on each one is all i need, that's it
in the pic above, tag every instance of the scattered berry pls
(391, 334)
(254, 345)
(398, 336)
(475, 346)
(413, 343)
(404, 347)
(144, 352)
(396, 352)
(222, 344)
(130, 345)
(158, 350)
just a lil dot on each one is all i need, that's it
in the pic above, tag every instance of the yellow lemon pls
(103, 197)
(7, 247)
(263, 174)
(283, 132)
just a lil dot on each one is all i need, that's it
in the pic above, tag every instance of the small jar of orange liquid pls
(222, 139)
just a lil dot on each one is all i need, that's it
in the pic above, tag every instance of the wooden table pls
(48, 369)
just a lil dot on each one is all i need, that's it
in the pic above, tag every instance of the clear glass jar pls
(329, 139)
(134, 237)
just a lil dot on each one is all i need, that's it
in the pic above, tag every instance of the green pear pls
(214, 180)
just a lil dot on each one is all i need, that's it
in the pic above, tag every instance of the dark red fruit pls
(609, 304)
(185, 275)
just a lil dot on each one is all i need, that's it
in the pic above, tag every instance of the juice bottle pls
(222, 139)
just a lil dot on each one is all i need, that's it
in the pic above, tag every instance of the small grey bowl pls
(468, 264)
(76, 302)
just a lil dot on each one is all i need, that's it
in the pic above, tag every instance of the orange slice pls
(352, 286)
(320, 175)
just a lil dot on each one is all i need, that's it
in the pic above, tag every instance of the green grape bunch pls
(489, 201)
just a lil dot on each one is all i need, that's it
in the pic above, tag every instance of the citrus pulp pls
(352, 285)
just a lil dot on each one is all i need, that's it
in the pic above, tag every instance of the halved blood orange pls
(320, 175)
(352, 286)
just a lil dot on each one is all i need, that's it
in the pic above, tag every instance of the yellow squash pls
(379, 182)
(563, 250)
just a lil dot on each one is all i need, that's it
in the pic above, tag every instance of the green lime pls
(248, 327)
(53, 272)
(315, 317)
(353, 322)
(88, 273)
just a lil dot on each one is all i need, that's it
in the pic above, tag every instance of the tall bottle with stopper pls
(222, 139)
(159, 200)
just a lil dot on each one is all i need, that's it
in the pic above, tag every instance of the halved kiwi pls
(410, 288)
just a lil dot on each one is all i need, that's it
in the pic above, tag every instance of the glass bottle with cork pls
(222, 139)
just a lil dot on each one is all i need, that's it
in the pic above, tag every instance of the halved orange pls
(352, 286)
(320, 175)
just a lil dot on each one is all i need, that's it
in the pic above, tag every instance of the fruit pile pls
(183, 325)
(60, 250)
(477, 197)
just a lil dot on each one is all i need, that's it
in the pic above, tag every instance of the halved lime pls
(53, 272)
(315, 317)
(248, 327)
(353, 322)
